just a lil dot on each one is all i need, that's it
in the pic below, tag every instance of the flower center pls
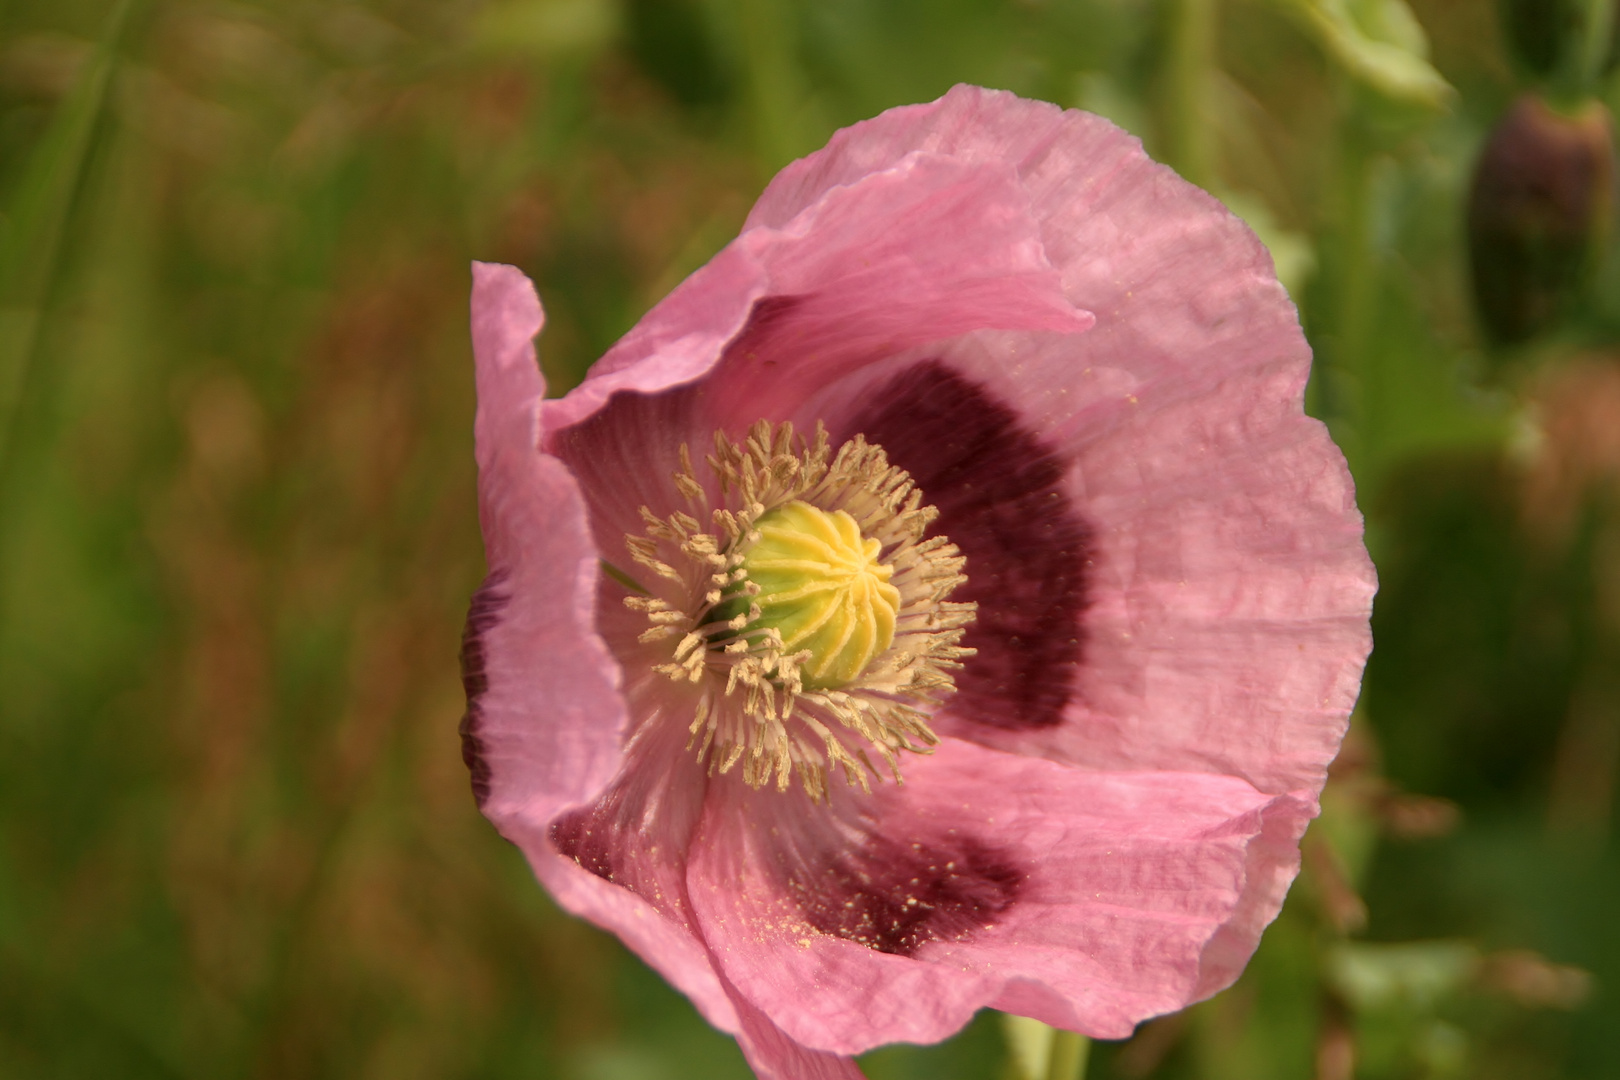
(823, 589)
(812, 620)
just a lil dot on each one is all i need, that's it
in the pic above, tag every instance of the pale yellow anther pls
(822, 587)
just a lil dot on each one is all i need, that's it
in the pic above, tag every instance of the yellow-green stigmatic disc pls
(822, 587)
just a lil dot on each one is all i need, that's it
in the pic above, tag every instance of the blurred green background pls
(238, 532)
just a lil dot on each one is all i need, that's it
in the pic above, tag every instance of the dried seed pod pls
(1539, 209)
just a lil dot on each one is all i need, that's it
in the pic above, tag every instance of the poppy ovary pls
(823, 588)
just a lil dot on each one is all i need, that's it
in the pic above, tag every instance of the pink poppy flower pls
(1110, 665)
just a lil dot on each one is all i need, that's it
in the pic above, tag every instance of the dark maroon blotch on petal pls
(584, 836)
(895, 897)
(482, 613)
(999, 491)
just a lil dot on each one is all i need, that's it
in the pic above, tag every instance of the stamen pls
(814, 615)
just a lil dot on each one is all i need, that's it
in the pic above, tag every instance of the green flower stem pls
(1596, 38)
(1356, 294)
(1040, 1052)
(1192, 57)
(36, 222)
(1070, 1052)
(774, 84)
(1582, 54)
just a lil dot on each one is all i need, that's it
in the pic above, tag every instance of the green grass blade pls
(37, 220)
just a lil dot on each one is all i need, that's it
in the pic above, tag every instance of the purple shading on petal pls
(633, 835)
(573, 836)
(764, 318)
(895, 897)
(482, 613)
(1000, 498)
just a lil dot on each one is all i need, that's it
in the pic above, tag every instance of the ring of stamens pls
(754, 708)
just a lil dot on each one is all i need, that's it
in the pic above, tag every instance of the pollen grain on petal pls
(895, 896)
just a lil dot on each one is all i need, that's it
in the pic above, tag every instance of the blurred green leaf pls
(31, 241)
(1379, 42)
(1417, 974)
(546, 28)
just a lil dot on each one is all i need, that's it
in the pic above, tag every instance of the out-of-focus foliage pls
(1378, 41)
(237, 525)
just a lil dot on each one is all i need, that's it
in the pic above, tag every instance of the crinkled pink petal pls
(545, 717)
(921, 252)
(1232, 591)
(774, 1055)
(1228, 587)
(1078, 170)
(927, 249)
(1125, 894)
(678, 341)
(549, 717)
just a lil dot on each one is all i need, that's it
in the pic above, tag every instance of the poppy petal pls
(544, 712)
(1090, 900)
